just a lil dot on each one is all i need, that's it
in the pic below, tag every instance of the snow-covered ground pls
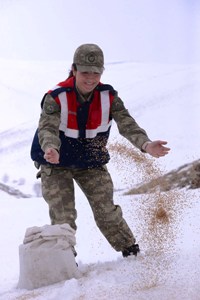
(164, 99)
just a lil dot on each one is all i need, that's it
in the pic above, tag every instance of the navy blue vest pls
(80, 152)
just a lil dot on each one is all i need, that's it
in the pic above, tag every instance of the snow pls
(164, 99)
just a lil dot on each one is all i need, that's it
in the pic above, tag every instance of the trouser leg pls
(97, 185)
(58, 192)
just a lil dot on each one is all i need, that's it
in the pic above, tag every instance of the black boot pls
(74, 251)
(132, 250)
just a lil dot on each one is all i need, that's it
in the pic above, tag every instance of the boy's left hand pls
(157, 148)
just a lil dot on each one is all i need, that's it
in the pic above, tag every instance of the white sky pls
(145, 30)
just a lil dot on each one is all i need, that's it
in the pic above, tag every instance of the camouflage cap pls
(89, 58)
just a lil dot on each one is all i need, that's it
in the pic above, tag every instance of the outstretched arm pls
(48, 131)
(134, 133)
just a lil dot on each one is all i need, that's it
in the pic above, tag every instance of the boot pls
(132, 250)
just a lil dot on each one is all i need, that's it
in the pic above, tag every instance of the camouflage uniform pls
(96, 183)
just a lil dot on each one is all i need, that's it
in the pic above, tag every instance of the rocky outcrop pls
(12, 191)
(186, 176)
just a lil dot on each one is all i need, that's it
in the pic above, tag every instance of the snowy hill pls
(164, 99)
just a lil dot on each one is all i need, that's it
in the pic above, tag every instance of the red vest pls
(99, 110)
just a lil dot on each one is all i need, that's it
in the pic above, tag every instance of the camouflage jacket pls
(80, 152)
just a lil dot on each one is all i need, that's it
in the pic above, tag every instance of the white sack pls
(46, 256)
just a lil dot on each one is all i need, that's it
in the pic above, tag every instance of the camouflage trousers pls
(97, 185)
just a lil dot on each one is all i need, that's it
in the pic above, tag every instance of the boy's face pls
(86, 81)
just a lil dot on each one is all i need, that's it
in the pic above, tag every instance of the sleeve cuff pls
(144, 146)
